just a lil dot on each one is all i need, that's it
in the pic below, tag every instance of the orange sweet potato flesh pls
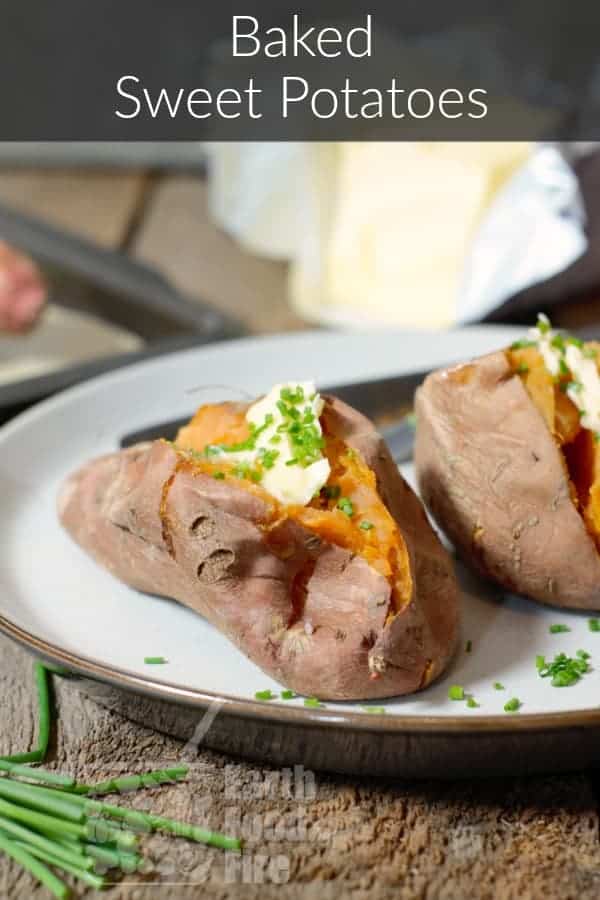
(215, 423)
(382, 546)
(580, 449)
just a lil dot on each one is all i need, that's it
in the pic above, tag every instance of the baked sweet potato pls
(510, 469)
(340, 603)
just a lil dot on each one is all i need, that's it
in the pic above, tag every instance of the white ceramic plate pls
(57, 600)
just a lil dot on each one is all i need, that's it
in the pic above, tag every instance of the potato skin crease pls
(344, 641)
(494, 479)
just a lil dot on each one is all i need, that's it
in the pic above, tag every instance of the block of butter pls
(405, 215)
(415, 235)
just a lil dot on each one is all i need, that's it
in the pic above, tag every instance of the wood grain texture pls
(94, 204)
(179, 237)
(332, 836)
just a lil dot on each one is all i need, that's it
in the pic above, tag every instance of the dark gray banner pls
(179, 70)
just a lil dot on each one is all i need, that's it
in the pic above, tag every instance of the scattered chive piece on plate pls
(472, 703)
(468, 646)
(374, 710)
(594, 624)
(365, 525)
(155, 660)
(512, 705)
(540, 662)
(313, 702)
(498, 686)
(288, 695)
(565, 670)
(456, 692)
(559, 629)
(265, 695)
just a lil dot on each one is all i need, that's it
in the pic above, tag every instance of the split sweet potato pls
(350, 604)
(511, 475)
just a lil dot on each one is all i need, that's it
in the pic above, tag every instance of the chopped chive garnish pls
(594, 624)
(543, 323)
(312, 702)
(522, 369)
(374, 710)
(288, 695)
(472, 703)
(558, 629)
(456, 692)
(468, 646)
(574, 386)
(155, 660)
(267, 457)
(265, 695)
(564, 670)
(346, 506)
(366, 525)
(498, 686)
(512, 705)
(292, 396)
(540, 662)
(522, 344)
(219, 475)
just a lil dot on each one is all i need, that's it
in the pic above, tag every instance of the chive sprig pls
(49, 821)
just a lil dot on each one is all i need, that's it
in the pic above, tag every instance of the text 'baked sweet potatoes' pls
(349, 596)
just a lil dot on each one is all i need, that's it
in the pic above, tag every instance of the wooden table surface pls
(332, 836)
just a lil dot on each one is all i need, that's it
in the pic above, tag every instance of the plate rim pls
(247, 708)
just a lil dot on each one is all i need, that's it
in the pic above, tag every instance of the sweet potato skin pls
(338, 637)
(494, 479)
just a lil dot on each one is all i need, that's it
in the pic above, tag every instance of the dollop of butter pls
(584, 387)
(289, 481)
